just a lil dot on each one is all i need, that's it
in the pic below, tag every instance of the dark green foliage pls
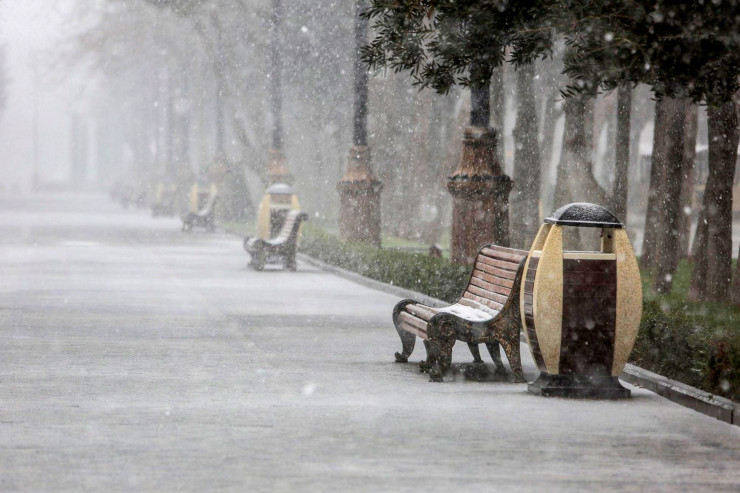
(684, 348)
(679, 47)
(684, 48)
(432, 276)
(447, 42)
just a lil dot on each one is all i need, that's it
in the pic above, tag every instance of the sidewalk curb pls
(372, 283)
(717, 407)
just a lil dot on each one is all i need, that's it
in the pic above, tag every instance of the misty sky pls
(37, 29)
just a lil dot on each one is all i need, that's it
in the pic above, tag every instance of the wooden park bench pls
(204, 217)
(487, 313)
(280, 248)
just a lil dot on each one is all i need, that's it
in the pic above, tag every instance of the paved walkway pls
(137, 358)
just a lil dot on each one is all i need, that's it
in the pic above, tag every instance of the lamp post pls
(277, 171)
(479, 187)
(359, 190)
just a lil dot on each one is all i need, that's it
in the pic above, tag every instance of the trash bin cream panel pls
(548, 299)
(629, 300)
(525, 289)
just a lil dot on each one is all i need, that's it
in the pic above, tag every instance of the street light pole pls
(220, 153)
(35, 173)
(277, 171)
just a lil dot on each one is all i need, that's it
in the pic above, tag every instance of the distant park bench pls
(280, 248)
(205, 217)
(487, 313)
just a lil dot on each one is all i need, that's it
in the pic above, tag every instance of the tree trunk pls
(552, 113)
(689, 180)
(498, 112)
(736, 283)
(575, 181)
(723, 142)
(525, 201)
(622, 158)
(668, 196)
(698, 288)
(668, 113)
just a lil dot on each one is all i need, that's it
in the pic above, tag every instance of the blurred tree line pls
(187, 82)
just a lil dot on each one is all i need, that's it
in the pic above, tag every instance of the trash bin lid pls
(280, 189)
(584, 215)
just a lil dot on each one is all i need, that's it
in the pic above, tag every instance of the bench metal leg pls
(442, 350)
(426, 364)
(258, 259)
(495, 352)
(408, 341)
(511, 348)
(290, 262)
(475, 351)
(442, 338)
(477, 370)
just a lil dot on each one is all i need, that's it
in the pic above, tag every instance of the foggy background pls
(108, 91)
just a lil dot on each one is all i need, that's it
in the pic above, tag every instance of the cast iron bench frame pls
(282, 246)
(494, 285)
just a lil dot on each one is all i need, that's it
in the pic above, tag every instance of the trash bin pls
(581, 309)
(278, 200)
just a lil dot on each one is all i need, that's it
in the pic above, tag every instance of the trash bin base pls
(578, 386)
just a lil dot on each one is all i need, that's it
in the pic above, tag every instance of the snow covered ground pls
(134, 357)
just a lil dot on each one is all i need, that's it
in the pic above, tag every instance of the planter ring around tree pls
(581, 310)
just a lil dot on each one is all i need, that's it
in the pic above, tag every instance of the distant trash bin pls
(200, 196)
(278, 200)
(581, 310)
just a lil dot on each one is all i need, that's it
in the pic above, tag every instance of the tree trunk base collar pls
(480, 192)
(478, 158)
(358, 166)
(277, 170)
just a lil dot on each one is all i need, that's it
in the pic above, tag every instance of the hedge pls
(432, 276)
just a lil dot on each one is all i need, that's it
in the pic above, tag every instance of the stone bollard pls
(581, 310)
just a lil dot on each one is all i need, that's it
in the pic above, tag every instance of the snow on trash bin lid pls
(584, 215)
(280, 189)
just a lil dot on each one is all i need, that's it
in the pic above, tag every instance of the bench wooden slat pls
(502, 255)
(501, 264)
(421, 311)
(501, 281)
(413, 330)
(413, 321)
(495, 305)
(487, 294)
(502, 290)
(490, 269)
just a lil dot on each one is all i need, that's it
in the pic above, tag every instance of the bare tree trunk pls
(689, 179)
(575, 181)
(736, 283)
(723, 142)
(698, 288)
(622, 161)
(665, 112)
(551, 115)
(669, 195)
(525, 197)
(498, 111)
